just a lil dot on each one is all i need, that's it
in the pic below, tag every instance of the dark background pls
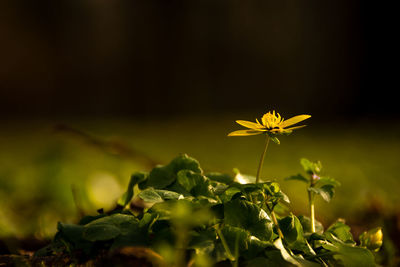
(143, 58)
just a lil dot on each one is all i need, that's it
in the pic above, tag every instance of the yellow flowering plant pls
(272, 125)
(178, 215)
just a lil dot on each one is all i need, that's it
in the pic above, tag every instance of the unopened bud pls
(372, 239)
(315, 177)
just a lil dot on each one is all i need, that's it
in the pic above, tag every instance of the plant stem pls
(262, 160)
(311, 198)
(276, 223)
(226, 247)
(181, 237)
(236, 263)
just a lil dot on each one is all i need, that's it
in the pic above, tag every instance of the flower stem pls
(262, 160)
(311, 198)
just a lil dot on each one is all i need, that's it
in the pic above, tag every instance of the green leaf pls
(231, 233)
(325, 191)
(150, 195)
(218, 189)
(220, 177)
(327, 181)
(183, 211)
(248, 188)
(72, 235)
(349, 255)
(256, 247)
(136, 178)
(229, 193)
(340, 230)
(306, 223)
(109, 227)
(244, 214)
(203, 241)
(311, 167)
(288, 256)
(162, 176)
(282, 197)
(167, 195)
(293, 233)
(184, 162)
(243, 178)
(157, 195)
(298, 177)
(291, 229)
(178, 188)
(162, 210)
(195, 183)
(100, 232)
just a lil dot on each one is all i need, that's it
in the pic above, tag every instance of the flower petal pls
(265, 120)
(250, 125)
(294, 120)
(295, 127)
(244, 133)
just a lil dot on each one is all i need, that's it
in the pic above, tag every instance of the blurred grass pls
(38, 164)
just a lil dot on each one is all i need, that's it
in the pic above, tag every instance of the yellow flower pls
(271, 123)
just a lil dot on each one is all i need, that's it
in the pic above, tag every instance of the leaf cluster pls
(318, 184)
(207, 219)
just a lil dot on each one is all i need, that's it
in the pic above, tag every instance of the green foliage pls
(317, 184)
(349, 255)
(246, 215)
(136, 178)
(213, 218)
(340, 231)
(109, 227)
(311, 167)
(162, 176)
(326, 191)
(152, 195)
(305, 223)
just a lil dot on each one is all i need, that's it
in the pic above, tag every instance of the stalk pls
(181, 248)
(275, 221)
(226, 247)
(271, 211)
(236, 263)
(311, 199)
(262, 159)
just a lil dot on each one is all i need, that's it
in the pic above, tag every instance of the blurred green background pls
(91, 91)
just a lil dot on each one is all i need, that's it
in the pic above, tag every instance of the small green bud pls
(372, 239)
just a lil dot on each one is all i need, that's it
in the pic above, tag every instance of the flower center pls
(271, 121)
